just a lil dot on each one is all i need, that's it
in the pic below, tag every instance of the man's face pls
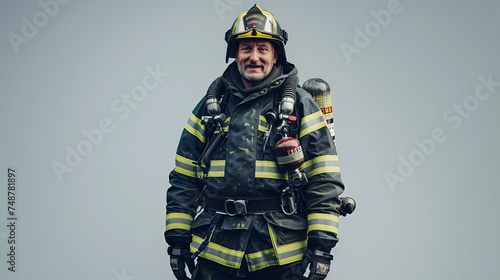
(255, 59)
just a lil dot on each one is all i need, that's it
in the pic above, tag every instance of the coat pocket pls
(237, 222)
(293, 222)
(201, 223)
(287, 229)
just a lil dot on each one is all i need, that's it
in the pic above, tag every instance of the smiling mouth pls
(253, 67)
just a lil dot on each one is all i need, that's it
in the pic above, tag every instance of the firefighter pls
(234, 203)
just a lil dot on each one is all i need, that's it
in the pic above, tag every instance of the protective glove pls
(318, 262)
(180, 256)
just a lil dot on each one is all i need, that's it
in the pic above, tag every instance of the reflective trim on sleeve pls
(311, 123)
(217, 253)
(195, 127)
(323, 222)
(178, 221)
(186, 167)
(321, 164)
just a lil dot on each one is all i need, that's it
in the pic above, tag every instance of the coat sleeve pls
(321, 166)
(185, 184)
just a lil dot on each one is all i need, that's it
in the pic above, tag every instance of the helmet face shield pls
(256, 23)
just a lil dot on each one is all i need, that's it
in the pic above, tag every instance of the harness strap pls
(232, 206)
(210, 231)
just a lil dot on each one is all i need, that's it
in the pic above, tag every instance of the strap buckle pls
(235, 207)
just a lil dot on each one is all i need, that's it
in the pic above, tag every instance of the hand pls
(318, 262)
(179, 258)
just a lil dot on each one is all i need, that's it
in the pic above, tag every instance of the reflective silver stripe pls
(321, 164)
(270, 24)
(261, 259)
(263, 169)
(268, 170)
(195, 127)
(311, 123)
(294, 253)
(222, 255)
(290, 158)
(186, 167)
(217, 168)
(178, 221)
(218, 253)
(287, 253)
(324, 222)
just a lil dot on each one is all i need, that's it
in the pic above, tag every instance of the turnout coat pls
(242, 168)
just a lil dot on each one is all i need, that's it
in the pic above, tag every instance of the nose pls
(254, 55)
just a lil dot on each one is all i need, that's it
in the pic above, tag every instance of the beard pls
(253, 79)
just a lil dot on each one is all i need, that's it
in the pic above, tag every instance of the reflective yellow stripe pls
(263, 169)
(186, 166)
(324, 222)
(225, 126)
(321, 164)
(177, 226)
(180, 216)
(311, 123)
(261, 259)
(178, 221)
(319, 159)
(218, 253)
(195, 127)
(236, 22)
(269, 18)
(278, 255)
(292, 252)
(290, 158)
(217, 168)
(268, 170)
(285, 254)
(249, 35)
(262, 124)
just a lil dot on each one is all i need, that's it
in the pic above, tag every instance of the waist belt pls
(232, 206)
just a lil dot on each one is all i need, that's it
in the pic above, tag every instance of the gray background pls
(105, 219)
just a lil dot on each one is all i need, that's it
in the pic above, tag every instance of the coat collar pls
(233, 81)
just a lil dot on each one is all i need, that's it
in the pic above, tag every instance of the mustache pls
(252, 64)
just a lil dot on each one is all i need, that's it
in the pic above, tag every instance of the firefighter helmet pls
(256, 23)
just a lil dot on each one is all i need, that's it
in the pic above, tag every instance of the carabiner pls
(288, 201)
